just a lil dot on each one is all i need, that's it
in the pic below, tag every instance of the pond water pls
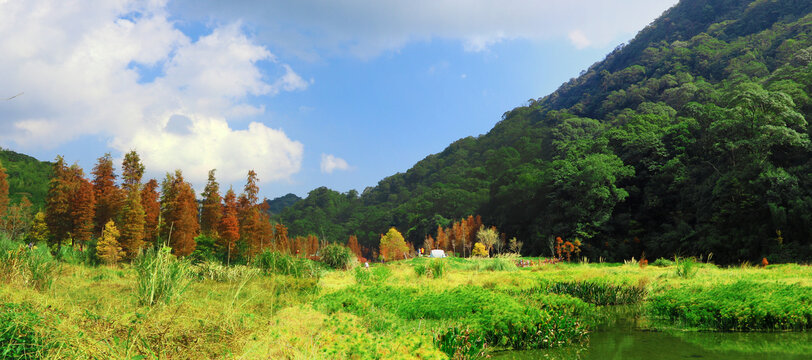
(627, 338)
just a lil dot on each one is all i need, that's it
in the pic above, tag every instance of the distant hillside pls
(692, 139)
(26, 176)
(276, 205)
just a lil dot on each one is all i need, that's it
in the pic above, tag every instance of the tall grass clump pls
(494, 264)
(215, 270)
(437, 268)
(30, 265)
(70, 255)
(375, 275)
(161, 277)
(740, 306)
(600, 293)
(273, 262)
(685, 267)
(337, 256)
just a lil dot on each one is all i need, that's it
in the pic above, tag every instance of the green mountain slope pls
(692, 139)
(27, 176)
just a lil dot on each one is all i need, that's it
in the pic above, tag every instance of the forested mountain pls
(691, 139)
(26, 176)
(276, 205)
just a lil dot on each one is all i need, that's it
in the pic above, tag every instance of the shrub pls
(479, 250)
(662, 262)
(461, 344)
(161, 277)
(273, 262)
(741, 306)
(336, 256)
(70, 255)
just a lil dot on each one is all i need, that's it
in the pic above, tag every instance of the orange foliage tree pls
(229, 228)
(108, 195)
(393, 246)
(212, 210)
(355, 247)
(152, 210)
(83, 201)
(132, 213)
(280, 238)
(179, 211)
(58, 215)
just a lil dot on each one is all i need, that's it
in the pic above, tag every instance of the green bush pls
(662, 262)
(273, 262)
(741, 306)
(70, 255)
(18, 337)
(337, 256)
(600, 293)
(161, 277)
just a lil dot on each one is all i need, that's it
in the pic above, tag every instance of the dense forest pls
(691, 139)
(27, 177)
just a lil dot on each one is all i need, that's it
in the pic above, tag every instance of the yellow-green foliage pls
(480, 250)
(108, 249)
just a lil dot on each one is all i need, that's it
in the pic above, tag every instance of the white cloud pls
(313, 28)
(579, 39)
(121, 69)
(330, 163)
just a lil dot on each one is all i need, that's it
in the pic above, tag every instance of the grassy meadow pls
(282, 307)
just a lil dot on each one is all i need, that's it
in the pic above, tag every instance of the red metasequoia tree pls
(229, 228)
(152, 210)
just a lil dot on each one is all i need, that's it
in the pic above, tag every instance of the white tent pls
(437, 254)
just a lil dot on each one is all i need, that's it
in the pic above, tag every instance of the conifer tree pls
(179, 212)
(108, 195)
(352, 243)
(39, 229)
(3, 191)
(132, 224)
(57, 202)
(131, 172)
(132, 216)
(152, 211)
(108, 248)
(229, 228)
(212, 210)
(17, 220)
(82, 203)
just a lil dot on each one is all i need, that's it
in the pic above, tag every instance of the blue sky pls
(309, 93)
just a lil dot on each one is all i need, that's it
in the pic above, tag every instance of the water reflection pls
(623, 337)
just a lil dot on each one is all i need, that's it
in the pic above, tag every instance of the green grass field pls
(419, 308)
